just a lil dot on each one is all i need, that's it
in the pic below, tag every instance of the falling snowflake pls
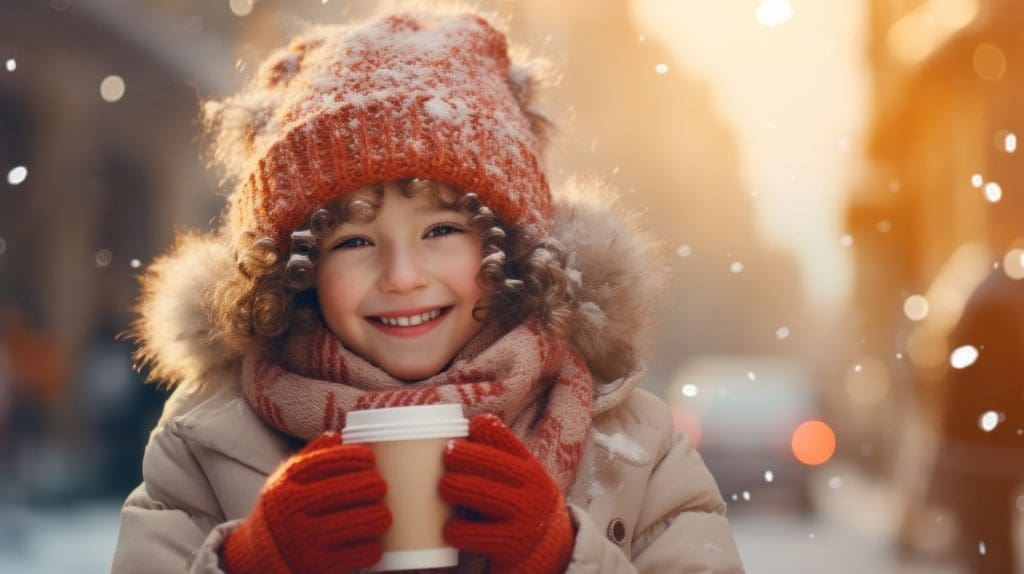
(1010, 142)
(684, 251)
(846, 240)
(781, 333)
(689, 390)
(989, 421)
(993, 193)
(835, 482)
(661, 69)
(17, 175)
(752, 376)
(977, 181)
(981, 547)
(736, 266)
(769, 476)
(136, 263)
(746, 495)
(103, 257)
(11, 64)
(963, 357)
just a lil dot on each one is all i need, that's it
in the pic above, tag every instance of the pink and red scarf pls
(540, 387)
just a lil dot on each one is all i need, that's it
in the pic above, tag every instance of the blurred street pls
(771, 540)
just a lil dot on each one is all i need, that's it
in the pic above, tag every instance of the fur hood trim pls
(620, 269)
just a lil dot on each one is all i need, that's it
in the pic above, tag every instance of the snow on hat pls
(403, 96)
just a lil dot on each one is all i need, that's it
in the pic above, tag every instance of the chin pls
(413, 374)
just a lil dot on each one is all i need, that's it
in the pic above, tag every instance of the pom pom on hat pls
(403, 96)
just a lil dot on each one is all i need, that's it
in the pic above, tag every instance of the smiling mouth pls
(411, 320)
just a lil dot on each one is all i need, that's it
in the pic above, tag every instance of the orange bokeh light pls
(687, 421)
(813, 443)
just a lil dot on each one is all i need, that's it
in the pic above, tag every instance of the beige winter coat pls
(642, 501)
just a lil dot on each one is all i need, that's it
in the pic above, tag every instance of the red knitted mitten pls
(523, 524)
(322, 510)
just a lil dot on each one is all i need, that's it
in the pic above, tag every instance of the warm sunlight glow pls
(773, 13)
(924, 29)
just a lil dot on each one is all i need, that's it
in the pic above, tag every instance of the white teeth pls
(410, 321)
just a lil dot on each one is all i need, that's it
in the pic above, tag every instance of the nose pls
(402, 272)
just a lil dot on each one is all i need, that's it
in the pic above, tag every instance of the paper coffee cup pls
(408, 443)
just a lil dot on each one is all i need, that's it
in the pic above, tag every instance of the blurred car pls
(751, 417)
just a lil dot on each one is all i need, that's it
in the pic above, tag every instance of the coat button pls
(617, 531)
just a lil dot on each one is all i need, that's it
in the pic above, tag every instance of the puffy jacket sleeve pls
(172, 522)
(175, 520)
(681, 526)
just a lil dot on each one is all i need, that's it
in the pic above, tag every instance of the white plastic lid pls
(405, 423)
(415, 559)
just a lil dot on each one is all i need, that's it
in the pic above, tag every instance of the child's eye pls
(442, 229)
(352, 242)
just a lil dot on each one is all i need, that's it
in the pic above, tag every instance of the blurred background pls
(838, 185)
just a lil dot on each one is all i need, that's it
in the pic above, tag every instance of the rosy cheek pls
(335, 293)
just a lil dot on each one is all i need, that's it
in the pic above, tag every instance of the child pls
(392, 240)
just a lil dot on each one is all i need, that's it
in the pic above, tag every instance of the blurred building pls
(661, 140)
(939, 207)
(943, 108)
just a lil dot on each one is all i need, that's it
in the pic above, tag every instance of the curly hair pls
(523, 276)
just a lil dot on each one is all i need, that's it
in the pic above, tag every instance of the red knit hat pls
(403, 96)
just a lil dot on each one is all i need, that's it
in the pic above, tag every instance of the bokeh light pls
(112, 88)
(240, 7)
(686, 420)
(1013, 263)
(989, 62)
(813, 443)
(915, 307)
(870, 383)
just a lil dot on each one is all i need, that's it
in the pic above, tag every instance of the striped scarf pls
(539, 386)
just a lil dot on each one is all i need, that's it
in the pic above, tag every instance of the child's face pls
(413, 258)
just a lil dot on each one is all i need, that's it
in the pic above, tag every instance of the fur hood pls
(621, 273)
